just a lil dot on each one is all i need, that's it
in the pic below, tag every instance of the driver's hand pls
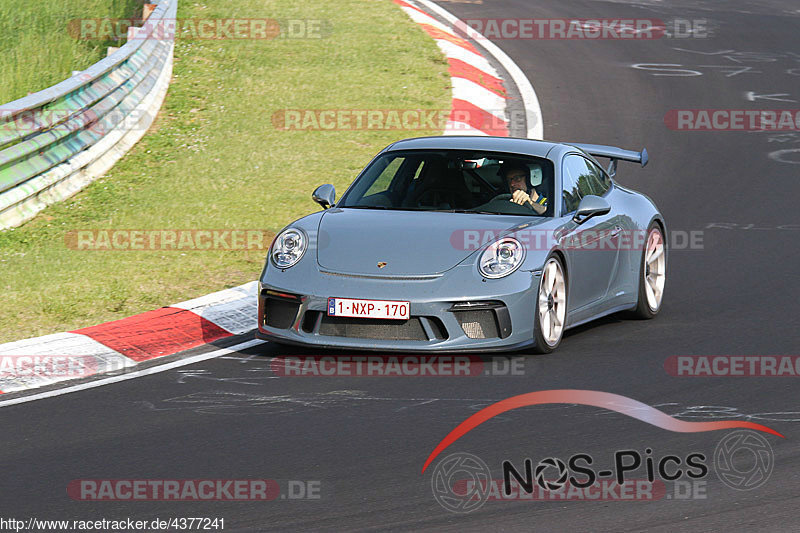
(520, 197)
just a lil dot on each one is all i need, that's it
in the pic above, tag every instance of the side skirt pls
(601, 314)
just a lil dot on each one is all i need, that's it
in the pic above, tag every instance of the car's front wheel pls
(551, 307)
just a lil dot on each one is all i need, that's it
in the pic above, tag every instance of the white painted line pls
(132, 375)
(533, 110)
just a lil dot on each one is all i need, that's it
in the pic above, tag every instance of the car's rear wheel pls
(652, 274)
(551, 307)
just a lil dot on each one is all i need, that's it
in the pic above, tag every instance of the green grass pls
(213, 159)
(36, 48)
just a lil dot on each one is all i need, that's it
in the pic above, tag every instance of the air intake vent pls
(478, 324)
(280, 314)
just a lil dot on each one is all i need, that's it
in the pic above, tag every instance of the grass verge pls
(214, 160)
(36, 48)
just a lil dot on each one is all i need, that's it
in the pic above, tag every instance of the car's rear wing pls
(614, 153)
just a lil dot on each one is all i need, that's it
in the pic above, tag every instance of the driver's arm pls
(537, 203)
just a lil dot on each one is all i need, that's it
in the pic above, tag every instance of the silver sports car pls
(466, 244)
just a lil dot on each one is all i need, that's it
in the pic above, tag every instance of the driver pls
(517, 178)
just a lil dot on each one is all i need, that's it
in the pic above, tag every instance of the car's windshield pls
(449, 180)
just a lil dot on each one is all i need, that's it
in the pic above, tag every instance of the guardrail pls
(58, 140)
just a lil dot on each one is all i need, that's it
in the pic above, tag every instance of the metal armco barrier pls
(56, 141)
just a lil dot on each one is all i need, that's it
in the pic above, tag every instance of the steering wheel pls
(507, 196)
(504, 196)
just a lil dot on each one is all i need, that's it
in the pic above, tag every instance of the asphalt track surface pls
(365, 439)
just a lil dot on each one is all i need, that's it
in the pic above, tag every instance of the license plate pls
(389, 309)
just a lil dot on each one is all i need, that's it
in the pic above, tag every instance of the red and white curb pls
(479, 104)
(479, 97)
(479, 107)
(121, 344)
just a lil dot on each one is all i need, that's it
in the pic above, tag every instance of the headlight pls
(501, 258)
(288, 248)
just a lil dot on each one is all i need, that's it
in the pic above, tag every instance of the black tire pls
(540, 343)
(643, 309)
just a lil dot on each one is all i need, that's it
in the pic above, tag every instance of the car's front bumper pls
(293, 310)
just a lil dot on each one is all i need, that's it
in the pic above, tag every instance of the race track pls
(365, 439)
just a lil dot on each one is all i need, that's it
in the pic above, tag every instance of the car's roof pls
(474, 142)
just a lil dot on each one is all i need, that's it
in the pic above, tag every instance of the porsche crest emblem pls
(381, 264)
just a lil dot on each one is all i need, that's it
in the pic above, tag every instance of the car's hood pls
(409, 242)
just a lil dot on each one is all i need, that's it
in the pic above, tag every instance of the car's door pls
(593, 246)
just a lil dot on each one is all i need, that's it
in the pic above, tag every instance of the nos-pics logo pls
(461, 482)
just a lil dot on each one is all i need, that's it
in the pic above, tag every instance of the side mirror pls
(324, 195)
(589, 207)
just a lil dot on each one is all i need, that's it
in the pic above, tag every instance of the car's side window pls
(581, 177)
(571, 194)
(599, 181)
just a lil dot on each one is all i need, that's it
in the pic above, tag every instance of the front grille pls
(479, 324)
(280, 314)
(373, 328)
